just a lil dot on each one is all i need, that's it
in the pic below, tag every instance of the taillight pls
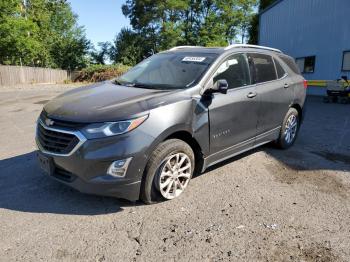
(305, 83)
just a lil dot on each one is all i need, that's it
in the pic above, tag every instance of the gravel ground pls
(266, 205)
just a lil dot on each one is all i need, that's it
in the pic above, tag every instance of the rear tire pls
(167, 172)
(289, 130)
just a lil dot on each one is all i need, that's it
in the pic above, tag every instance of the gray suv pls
(143, 135)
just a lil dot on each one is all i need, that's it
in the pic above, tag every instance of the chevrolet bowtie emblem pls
(49, 122)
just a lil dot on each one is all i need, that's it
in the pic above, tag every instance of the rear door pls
(273, 92)
(233, 116)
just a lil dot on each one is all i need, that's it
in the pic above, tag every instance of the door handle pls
(252, 94)
(286, 85)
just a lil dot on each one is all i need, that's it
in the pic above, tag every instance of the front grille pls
(55, 141)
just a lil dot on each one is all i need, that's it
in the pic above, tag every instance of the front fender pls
(186, 116)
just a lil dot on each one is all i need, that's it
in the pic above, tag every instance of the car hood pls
(107, 102)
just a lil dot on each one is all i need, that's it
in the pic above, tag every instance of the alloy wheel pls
(174, 175)
(291, 128)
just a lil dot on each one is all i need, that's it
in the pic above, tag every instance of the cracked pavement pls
(265, 205)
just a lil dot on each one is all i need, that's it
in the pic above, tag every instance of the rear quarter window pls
(291, 64)
(280, 71)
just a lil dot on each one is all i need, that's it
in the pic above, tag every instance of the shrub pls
(97, 73)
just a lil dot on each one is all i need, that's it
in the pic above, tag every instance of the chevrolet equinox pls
(144, 134)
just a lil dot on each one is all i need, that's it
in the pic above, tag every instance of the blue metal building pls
(315, 32)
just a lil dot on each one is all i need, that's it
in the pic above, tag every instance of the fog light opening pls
(118, 168)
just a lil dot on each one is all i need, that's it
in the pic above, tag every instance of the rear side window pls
(280, 71)
(264, 68)
(291, 64)
(234, 70)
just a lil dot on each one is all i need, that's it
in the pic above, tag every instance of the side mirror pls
(221, 86)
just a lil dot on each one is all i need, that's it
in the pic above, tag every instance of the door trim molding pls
(235, 149)
(268, 133)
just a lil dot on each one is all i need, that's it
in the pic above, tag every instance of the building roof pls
(270, 6)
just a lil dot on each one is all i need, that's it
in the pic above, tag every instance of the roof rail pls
(183, 46)
(252, 46)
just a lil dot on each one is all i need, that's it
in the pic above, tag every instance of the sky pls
(102, 19)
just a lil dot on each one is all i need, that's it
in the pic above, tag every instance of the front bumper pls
(113, 188)
(86, 168)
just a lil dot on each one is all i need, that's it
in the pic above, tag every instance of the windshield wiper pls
(117, 82)
(146, 86)
(141, 85)
(121, 83)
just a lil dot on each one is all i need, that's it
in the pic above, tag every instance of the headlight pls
(112, 128)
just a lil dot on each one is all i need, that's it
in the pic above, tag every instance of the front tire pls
(289, 130)
(168, 171)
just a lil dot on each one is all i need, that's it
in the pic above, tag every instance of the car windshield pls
(168, 71)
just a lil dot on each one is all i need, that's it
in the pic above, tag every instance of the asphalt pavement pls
(265, 205)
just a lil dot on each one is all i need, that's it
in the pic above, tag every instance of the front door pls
(233, 116)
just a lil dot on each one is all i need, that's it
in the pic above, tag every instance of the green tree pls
(41, 33)
(253, 30)
(246, 15)
(19, 41)
(167, 23)
(102, 54)
(128, 47)
(71, 51)
(69, 47)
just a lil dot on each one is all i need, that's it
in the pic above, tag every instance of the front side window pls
(234, 70)
(346, 61)
(175, 70)
(264, 68)
(306, 64)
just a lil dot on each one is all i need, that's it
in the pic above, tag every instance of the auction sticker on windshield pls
(193, 59)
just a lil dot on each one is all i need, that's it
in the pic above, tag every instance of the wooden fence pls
(17, 75)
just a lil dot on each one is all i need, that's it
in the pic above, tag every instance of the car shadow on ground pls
(296, 158)
(322, 144)
(24, 187)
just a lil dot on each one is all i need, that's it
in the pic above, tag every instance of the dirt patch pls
(16, 110)
(64, 254)
(8, 102)
(321, 180)
(316, 252)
